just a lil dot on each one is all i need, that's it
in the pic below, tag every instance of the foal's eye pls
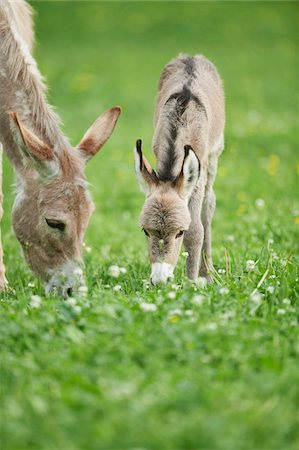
(57, 224)
(180, 233)
(145, 232)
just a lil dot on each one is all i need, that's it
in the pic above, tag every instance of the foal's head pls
(165, 215)
(53, 207)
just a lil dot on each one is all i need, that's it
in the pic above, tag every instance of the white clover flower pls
(260, 203)
(175, 286)
(286, 301)
(189, 312)
(114, 271)
(36, 301)
(31, 285)
(83, 290)
(228, 315)
(185, 254)
(86, 248)
(117, 287)
(171, 295)
(256, 297)
(250, 264)
(78, 271)
(221, 271)
(77, 309)
(211, 326)
(198, 300)
(270, 289)
(281, 311)
(270, 241)
(201, 282)
(148, 307)
(146, 284)
(175, 312)
(223, 290)
(123, 270)
(71, 301)
(230, 238)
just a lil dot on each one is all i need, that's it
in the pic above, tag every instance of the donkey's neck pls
(21, 86)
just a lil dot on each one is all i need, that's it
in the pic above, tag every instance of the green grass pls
(218, 371)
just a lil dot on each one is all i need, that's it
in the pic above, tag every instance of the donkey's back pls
(20, 16)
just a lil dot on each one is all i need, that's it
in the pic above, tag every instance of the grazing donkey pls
(52, 206)
(188, 139)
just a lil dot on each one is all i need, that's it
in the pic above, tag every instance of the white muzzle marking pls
(65, 279)
(161, 272)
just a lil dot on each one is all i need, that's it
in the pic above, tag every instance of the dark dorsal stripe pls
(177, 109)
(190, 67)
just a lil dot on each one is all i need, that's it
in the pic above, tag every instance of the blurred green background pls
(224, 376)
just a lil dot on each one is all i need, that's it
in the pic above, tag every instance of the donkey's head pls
(53, 207)
(165, 215)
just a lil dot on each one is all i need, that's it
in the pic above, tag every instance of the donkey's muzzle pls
(66, 280)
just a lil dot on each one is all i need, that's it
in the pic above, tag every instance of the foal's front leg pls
(3, 281)
(193, 238)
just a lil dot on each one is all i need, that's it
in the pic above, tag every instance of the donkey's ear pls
(32, 151)
(99, 133)
(188, 178)
(146, 176)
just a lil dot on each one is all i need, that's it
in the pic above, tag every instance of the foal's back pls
(195, 85)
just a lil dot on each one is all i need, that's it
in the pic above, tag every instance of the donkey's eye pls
(180, 233)
(56, 224)
(145, 232)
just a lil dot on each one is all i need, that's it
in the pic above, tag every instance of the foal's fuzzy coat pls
(53, 206)
(188, 139)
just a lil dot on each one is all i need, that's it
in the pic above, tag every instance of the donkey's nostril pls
(69, 291)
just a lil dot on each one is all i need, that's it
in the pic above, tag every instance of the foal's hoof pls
(202, 281)
(3, 284)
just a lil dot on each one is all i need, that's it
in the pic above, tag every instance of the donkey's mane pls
(22, 68)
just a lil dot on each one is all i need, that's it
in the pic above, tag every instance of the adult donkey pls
(52, 206)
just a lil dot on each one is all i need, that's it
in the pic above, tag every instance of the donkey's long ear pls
(99, 133)
(146, 176)
(188, 178)
(32, 151)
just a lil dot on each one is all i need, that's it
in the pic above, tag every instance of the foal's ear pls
(99, 133)
(32, 151)
(146, 176)
(188, 178)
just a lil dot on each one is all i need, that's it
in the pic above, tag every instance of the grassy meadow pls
(185, 366)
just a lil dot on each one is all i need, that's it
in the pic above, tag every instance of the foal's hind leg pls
(3, 281)
(207, 212)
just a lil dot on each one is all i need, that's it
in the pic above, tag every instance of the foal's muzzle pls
(161, 272)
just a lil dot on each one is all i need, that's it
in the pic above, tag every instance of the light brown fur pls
(52, 207)
(180, 196)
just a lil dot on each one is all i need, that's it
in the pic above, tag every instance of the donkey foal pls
(188, 139)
